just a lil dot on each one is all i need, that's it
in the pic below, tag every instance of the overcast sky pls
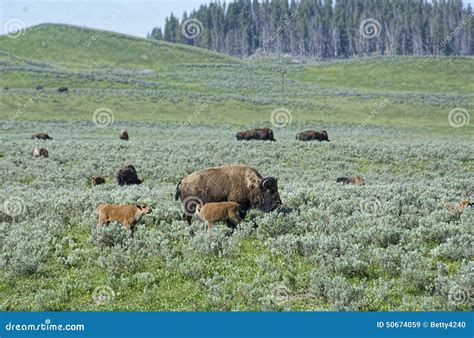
(134, 17)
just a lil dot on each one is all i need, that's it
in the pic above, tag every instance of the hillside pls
(397, 243)
(168, 82)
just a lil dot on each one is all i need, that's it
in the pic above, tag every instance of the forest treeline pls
(326, 28)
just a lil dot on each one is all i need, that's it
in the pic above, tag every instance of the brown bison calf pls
(355, 180)
(310, 135)
(263, 134)
(41, 136)
(123, 135)
(40, 152)
(459, 207)
(127, 215)
(230, 212)
(96, 180)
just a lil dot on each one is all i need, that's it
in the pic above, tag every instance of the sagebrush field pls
(393, 244)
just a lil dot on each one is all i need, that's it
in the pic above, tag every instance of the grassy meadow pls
(393, 244)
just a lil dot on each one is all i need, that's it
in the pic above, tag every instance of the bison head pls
(269, 198)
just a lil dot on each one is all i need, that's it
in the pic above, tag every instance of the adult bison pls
(310, 135)
(263, 134)
(235, 183)
(127, 176)
(40, 152)
(123, 135)
(63, 89)
(354, 180)
(41, 136)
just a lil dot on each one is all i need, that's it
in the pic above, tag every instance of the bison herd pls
(266, 134)
(224, 193)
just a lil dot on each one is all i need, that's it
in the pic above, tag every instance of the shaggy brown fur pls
(236, 183)
(127, 215)
(40, 152)
(355, 180)
(459, 207)
(123, 135)
(262, 134)
(127, 176)
(230, 212)
(41, 136)
(310, 135)
(96, 180)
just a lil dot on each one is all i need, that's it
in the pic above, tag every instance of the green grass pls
(174, 80)
(167, 85)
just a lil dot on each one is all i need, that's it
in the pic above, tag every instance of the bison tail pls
(342, 179)
(177, 193)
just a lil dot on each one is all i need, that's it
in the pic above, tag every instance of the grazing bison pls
(263, 134)
(39, 87)
(230, 212)
(310, 135)
(123, 135)
(40, 152)
(127, 215)
(127, 176)
(62, 89)
(355, 180)
(97, 180)
(41, 136)
(235, 183)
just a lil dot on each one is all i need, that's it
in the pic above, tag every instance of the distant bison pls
(39, 87)
(97, 180)
(41, 136)
(263, 134)
(235, 183)
(230, 212)
(40, 152)
(127, 215)
(355, 180)
(310, 135)
(127, 176)
(62, 89)
(123, 135)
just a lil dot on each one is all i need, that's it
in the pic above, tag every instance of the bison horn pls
(266, 180)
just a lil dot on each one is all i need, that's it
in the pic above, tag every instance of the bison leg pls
(187, 218)
(232, 223)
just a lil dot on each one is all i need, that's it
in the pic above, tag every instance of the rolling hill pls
(168, 82)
